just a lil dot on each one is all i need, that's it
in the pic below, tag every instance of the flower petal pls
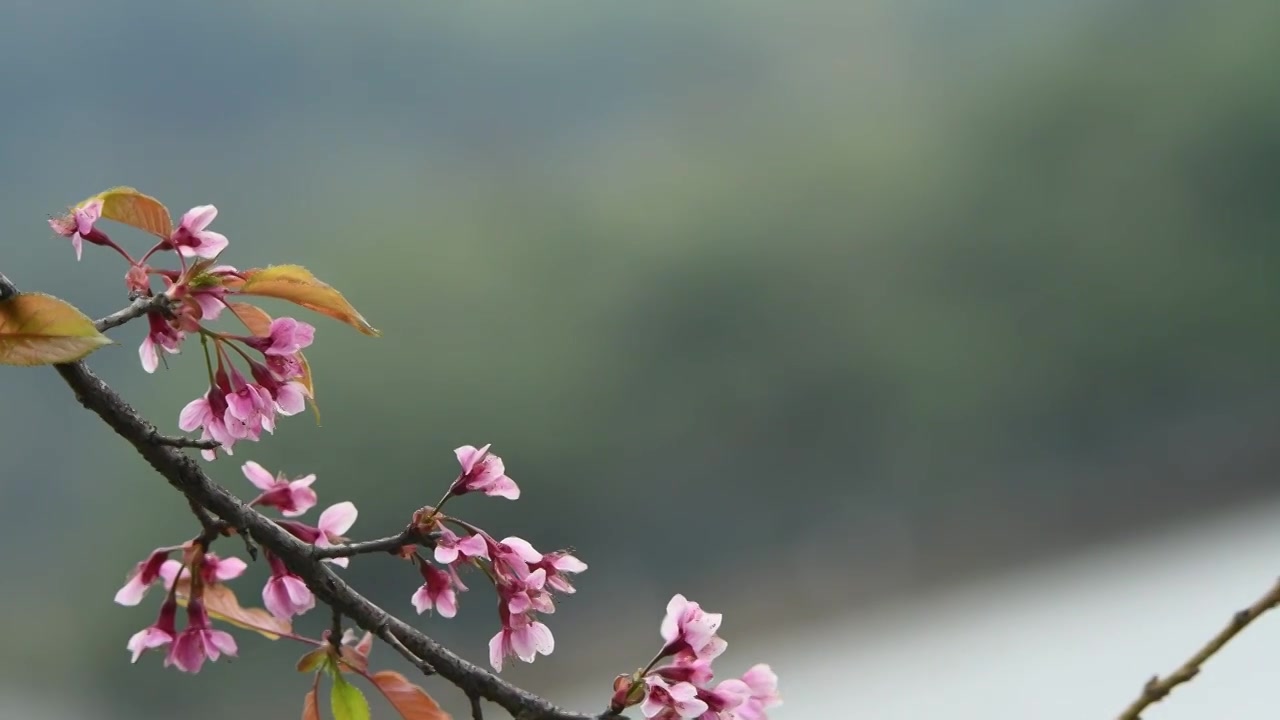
(258, 475)
(199, 217)
(337, 519)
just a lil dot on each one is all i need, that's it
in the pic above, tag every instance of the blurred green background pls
(790, 307)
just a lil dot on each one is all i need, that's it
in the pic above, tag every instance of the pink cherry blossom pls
(513, 558)
(557, 564)
(162, 334)
(209, 412)
(79, 226)
(192, 239)
(449, 547)
(287, 337)
(285, 594)
(763, 684)
(437, 590)
(527, 594)
(251, 404)
(144, 573)
(157, 635)
(334, 521)
(290, 397)
(521, 636)
(724, 697)
(290, 497)
(483, 472)
(213, 569)
(688, 629)
(690, 670)
(284, 367)
(199, 641)
(663, 701)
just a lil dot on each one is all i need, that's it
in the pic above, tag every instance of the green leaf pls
(346, 700)
(297, 285)
(38, 329)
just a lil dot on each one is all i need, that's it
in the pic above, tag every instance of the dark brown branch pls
(211, 527)
(182, 442)
(409, 536)
(477, 712)
(1157, 687)
(182, 472)
(335, 632)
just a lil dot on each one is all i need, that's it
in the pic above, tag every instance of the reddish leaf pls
(254, 318)
(313, 660)
(365, 646)
(310, 707)
(37, 329)
(222, 605)
(258, 322)
(411, 701)
(297, 285)
(353, 661)
(128, 206)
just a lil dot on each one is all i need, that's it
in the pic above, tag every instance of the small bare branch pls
(392, 544)
(1157, 687)
(136, 309)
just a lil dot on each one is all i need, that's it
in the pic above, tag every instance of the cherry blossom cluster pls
(261, 374)
(682, 688)
(523, 577)
(284, 595)
(235, 407)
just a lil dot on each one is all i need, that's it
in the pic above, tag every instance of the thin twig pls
(1157, 687)
(392, 544)
(211, 527)
(136, 309)
(477, 712)
(384, 632)
(335, 632)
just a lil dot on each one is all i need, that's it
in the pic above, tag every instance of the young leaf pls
(297, 285)
(364, 646)
(313, 660)
(128, 206)
(258, 322)
(310, 704)
(221, 603)
(38, 329)
(411, 701)
(353, 661)
(346, 701)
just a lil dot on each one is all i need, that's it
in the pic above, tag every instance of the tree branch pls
(136, 309)
(1157, 687)
(409, 536)
(182, 472)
